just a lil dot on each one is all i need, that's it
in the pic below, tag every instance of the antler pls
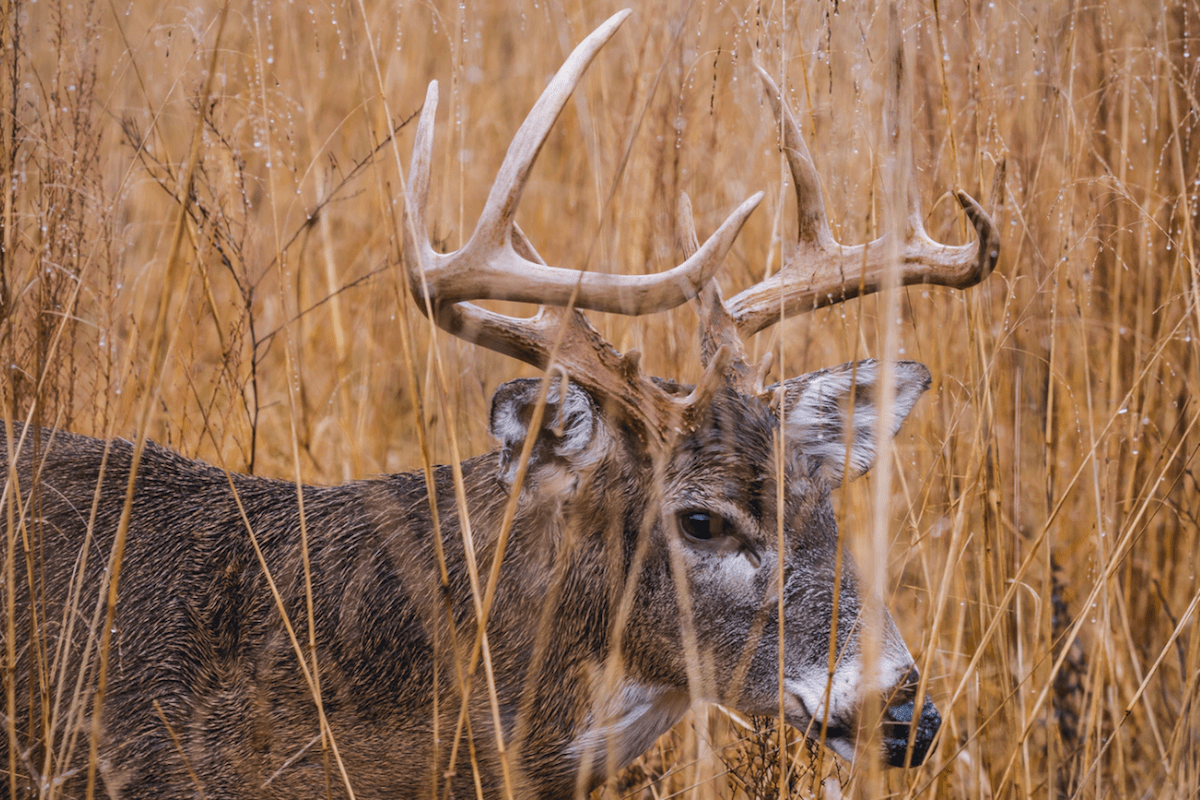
(824, 272)
(499, 263)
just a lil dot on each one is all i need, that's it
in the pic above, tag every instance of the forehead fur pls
(731, 450)
(730, 456)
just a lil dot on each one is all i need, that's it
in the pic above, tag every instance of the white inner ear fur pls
(817, 418)
(575, 422)
(572, 421)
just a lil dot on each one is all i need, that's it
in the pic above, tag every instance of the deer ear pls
(571, 434)
(818, 407)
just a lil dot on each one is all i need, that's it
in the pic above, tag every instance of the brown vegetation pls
(1042, 537)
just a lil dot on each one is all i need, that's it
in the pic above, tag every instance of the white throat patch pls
(627, 722)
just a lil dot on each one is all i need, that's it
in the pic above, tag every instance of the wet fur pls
(199, 633)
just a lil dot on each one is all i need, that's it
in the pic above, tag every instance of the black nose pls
(898, 723)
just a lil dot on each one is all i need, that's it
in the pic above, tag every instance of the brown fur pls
(199, 634)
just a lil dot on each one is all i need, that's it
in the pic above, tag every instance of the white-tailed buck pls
(656, 533)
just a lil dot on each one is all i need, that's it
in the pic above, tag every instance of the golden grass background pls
(1044, 542)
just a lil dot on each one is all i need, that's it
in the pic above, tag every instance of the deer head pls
(706, 508)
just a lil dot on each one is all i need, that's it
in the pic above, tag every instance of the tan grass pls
(1043, 518)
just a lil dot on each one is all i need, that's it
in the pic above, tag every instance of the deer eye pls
(704, 526)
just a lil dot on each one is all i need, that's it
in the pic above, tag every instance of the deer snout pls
(900, 717)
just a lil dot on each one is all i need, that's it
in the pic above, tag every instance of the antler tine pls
(897, 115)
(501, 208)
(416, 245)
(716, 326)
(721, 350)
(487, 267)
(810, 199)
(823, 272)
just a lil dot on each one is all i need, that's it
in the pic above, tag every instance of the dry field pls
(1040, 534)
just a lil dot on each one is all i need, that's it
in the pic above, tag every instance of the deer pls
(522, 624)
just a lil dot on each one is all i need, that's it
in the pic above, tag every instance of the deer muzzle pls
(899, 723)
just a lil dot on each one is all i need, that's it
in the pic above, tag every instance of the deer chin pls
(839, 738)
(806, 709)
(844, 744)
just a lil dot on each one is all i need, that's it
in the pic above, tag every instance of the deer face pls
(736, 541)
(737, 504)
(722, 515)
